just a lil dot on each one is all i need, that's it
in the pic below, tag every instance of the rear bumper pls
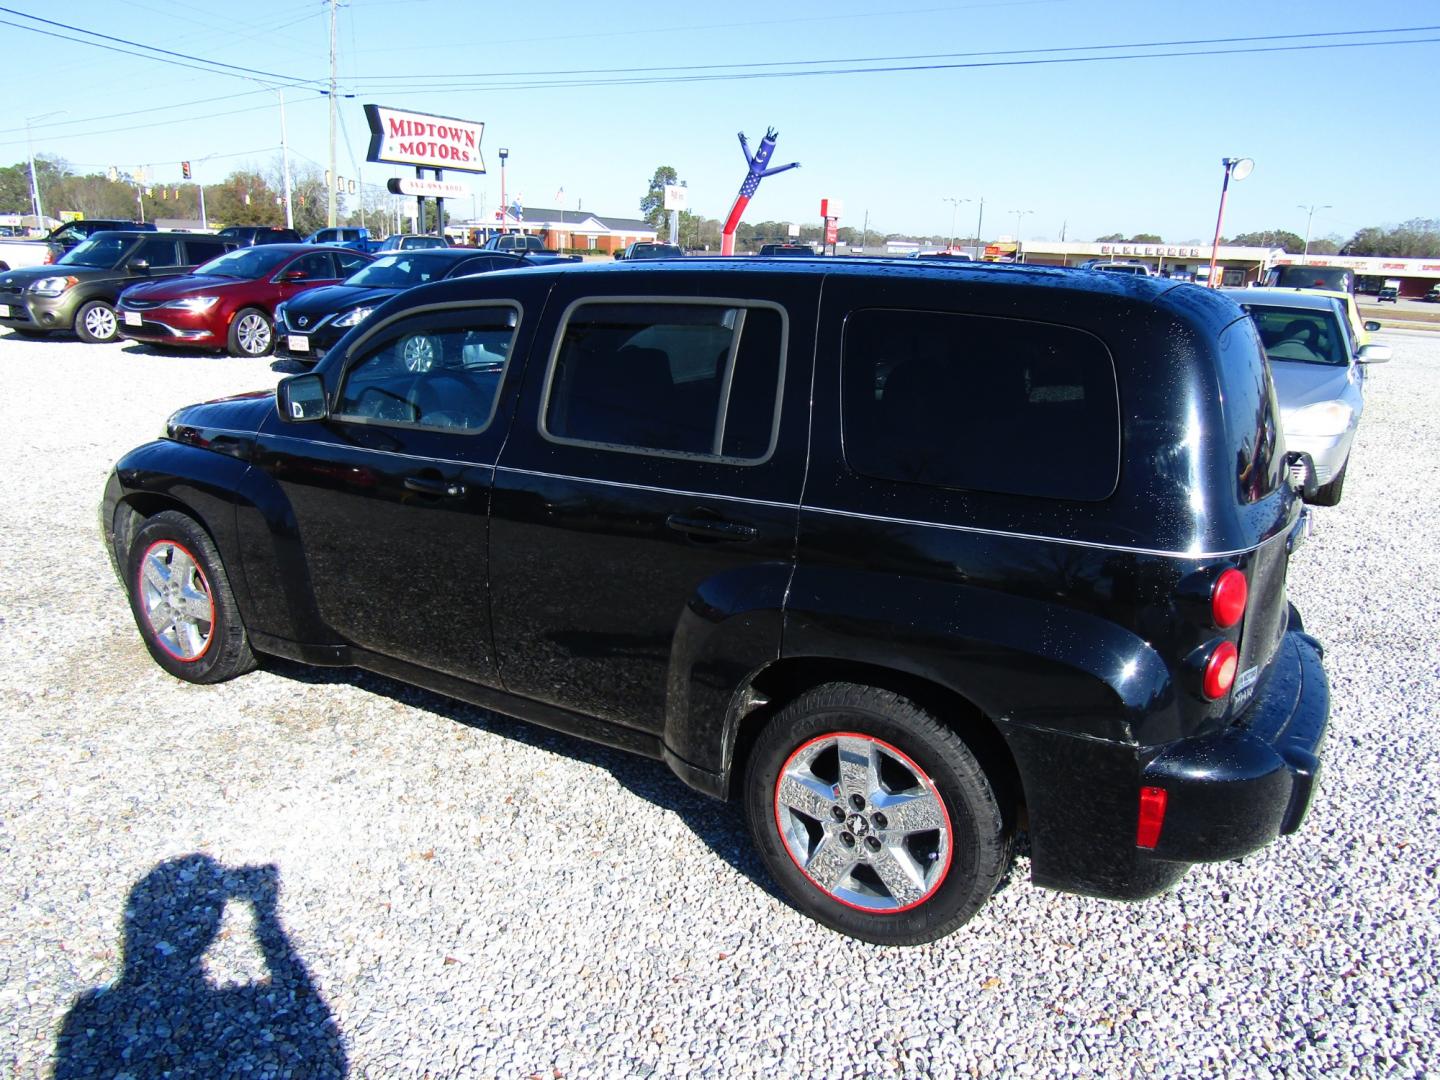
(1235, 791)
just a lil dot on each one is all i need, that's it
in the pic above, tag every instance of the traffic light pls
(185, 169)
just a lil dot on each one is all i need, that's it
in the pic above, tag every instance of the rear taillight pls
(1152, 816)
(1218, 675)
(1227, 598)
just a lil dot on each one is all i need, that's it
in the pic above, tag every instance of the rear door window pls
(695, 379)
(980, 403)
(202, 251)
(162, 253)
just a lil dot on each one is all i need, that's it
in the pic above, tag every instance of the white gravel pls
(469, 896)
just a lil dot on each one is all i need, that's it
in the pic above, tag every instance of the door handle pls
(711, 528)
(426, 485)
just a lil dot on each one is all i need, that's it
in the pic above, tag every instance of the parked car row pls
(872, 549)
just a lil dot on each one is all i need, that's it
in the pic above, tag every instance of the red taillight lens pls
(1227, 598)
(1152, 816)
(1219, 673)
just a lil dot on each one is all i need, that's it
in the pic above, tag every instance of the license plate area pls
(297, 343)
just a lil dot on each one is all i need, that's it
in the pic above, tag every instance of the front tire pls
(1330, 494)
(96, 322)
(251, 334)
(182, 602)
(875, 818)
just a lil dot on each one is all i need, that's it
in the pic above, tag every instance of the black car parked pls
(310, 324)
(902, 556)
(250, 235)
(80, 291)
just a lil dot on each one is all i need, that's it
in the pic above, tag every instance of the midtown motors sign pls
(432, 142)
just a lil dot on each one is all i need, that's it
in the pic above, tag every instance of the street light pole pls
(1239, 168)
(954, 206)
(979, 224)
(35, 206)
(1018, 246)
(504, 206)
(1309, 217)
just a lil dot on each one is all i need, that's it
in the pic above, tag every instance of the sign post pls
(424, 141)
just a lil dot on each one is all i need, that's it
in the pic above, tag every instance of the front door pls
(645, 506)
(391, 493)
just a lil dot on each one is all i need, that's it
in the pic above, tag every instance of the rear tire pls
(182, 602)
(875, 818)
(1330, 494)
(96, 322)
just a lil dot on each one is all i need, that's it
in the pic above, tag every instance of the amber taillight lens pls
(1227, 598)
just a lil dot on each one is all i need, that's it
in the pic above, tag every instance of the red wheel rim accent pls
(141, 589)
(919, 773)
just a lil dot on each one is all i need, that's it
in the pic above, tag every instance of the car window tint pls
(201, 251)
(313, 267)
(980, 403)
(436, 371)
(690, 378)
(349, 262)
(159, 253)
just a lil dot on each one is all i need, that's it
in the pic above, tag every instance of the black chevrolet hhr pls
(903, 557)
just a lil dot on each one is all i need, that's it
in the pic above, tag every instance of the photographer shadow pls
(164, 1017)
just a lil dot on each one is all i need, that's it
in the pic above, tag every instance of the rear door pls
(645, 505)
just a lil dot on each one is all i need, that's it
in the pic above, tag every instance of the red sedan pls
(229, 302)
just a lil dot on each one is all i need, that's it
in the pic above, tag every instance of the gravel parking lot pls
(341, 875)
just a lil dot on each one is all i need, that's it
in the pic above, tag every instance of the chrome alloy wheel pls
(418, 353)
(176, 600)
(863, 822)
(253, 333)
(100, 322)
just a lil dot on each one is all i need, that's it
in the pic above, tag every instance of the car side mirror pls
(292, 275)
(619, 254)
(138, 265)
(301, 398)
(1373, 354)
(1371, 326)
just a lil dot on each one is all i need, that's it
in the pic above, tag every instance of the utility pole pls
(330, 213)
(865, 232)
(979, 224)
(34, 184)
(285, 156)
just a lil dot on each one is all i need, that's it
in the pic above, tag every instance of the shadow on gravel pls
(287, 366)
(720, 825)
(165, 1018)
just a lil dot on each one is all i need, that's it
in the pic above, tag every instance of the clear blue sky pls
(1124, 145)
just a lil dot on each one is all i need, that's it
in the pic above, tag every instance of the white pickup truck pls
(15, 253)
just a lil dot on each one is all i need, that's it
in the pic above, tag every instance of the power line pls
(737, 76)
(142, 127)
(249, 73)
(915, 56)
(135, 112)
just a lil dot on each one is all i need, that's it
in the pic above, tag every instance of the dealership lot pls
(470, 895)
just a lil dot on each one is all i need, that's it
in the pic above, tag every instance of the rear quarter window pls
(980, 403)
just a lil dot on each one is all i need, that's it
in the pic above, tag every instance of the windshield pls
(401, 271)
(244, 263)
(1333, 278)
(1304, 334)
(102, 249)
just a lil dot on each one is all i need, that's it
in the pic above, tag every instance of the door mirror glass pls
(138, 265)
(1373, 354)
(1371, 326)
(301, 398)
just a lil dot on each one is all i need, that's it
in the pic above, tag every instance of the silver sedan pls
(1318, 366)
